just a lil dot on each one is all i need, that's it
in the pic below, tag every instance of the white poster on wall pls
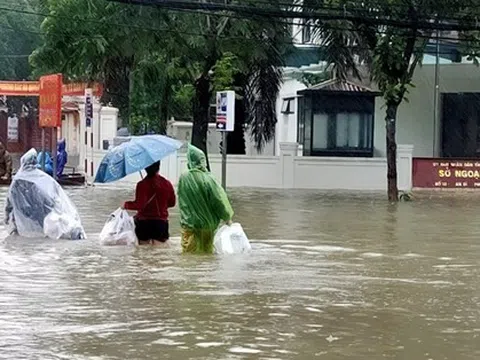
(12, 131)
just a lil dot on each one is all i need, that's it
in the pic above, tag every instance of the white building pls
(416, 124)
(82, 141)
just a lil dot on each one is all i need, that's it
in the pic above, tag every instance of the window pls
(342, 134)
(288, 106)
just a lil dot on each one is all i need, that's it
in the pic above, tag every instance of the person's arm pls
(219, 202)
(172, 200)
(8, 210)
(139, 202)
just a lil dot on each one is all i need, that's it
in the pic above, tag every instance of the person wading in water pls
(154, 195)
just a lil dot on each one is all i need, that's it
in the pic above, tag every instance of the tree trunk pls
(163, 108)
(201, 107)
(236, 138)
(391, 120)
(117, 86)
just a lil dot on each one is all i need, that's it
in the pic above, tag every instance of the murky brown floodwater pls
(330, 277)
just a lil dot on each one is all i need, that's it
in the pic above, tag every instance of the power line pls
(313, 15)
(156, 30)
(377, 31)
(182, 32)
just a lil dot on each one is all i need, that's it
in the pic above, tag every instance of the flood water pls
(331, 276)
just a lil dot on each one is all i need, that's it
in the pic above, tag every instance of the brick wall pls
(29, 135)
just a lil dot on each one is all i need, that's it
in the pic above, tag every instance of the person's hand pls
(229, 222)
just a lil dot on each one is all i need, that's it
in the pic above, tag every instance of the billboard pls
(50, 101)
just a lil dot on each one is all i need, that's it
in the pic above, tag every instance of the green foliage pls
(152, 60)
(94, 40)
(310, 79)
(391, 53)
(224, 73)
(19, 36)
(390, 71)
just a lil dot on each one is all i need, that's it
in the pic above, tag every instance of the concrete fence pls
(289, 171)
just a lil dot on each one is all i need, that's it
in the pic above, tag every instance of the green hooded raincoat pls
(203, 204)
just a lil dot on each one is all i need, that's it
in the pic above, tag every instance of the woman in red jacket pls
(153, 196)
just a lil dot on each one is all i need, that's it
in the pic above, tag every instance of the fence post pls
(288, 151)
(170, 163)
(404, 164)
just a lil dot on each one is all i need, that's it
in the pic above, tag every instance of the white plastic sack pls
(119, 229)
(61, 226)
(37, 205)
(231, 240)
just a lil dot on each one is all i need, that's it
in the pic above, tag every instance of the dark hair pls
(153, 169)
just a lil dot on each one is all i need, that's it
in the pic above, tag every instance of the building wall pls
(288, 171)
(104, 127)
(182, 130)
(286, 129)
(415, 123)
(29, 135)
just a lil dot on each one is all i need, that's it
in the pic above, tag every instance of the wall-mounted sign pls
(32, 88)
(12, 128)
(51, 101)
(88, 107)
(225, 110)
(446, 173)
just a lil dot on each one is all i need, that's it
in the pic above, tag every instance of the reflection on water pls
(332, 276)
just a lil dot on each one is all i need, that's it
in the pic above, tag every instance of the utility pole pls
(436, 95)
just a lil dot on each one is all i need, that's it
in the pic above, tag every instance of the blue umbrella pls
(135, 155)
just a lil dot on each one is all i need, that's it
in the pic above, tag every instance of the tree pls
(156, 61)
(91, 40)
(391, 51)
(201, 41)
(19, 35)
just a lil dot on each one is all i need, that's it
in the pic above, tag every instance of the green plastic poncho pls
(203, 204)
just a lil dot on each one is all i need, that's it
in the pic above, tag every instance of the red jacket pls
(153, 197)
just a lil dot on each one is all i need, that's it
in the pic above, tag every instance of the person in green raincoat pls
(203, 204)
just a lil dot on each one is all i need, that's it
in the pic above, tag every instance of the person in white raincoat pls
(37, 206)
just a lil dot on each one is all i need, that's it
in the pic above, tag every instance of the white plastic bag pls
(119, 229)
(231, 240)
(61, 226)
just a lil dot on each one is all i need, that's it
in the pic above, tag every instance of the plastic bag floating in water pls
(231, 240)
(119, 229)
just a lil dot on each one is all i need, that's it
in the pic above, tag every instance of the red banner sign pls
(32, 88)
(446, 173)
(51, 101)
(19, 88)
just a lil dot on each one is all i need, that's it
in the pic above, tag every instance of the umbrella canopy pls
(134, 156)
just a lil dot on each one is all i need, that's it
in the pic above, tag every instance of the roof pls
(340, 86)
(70, 107)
